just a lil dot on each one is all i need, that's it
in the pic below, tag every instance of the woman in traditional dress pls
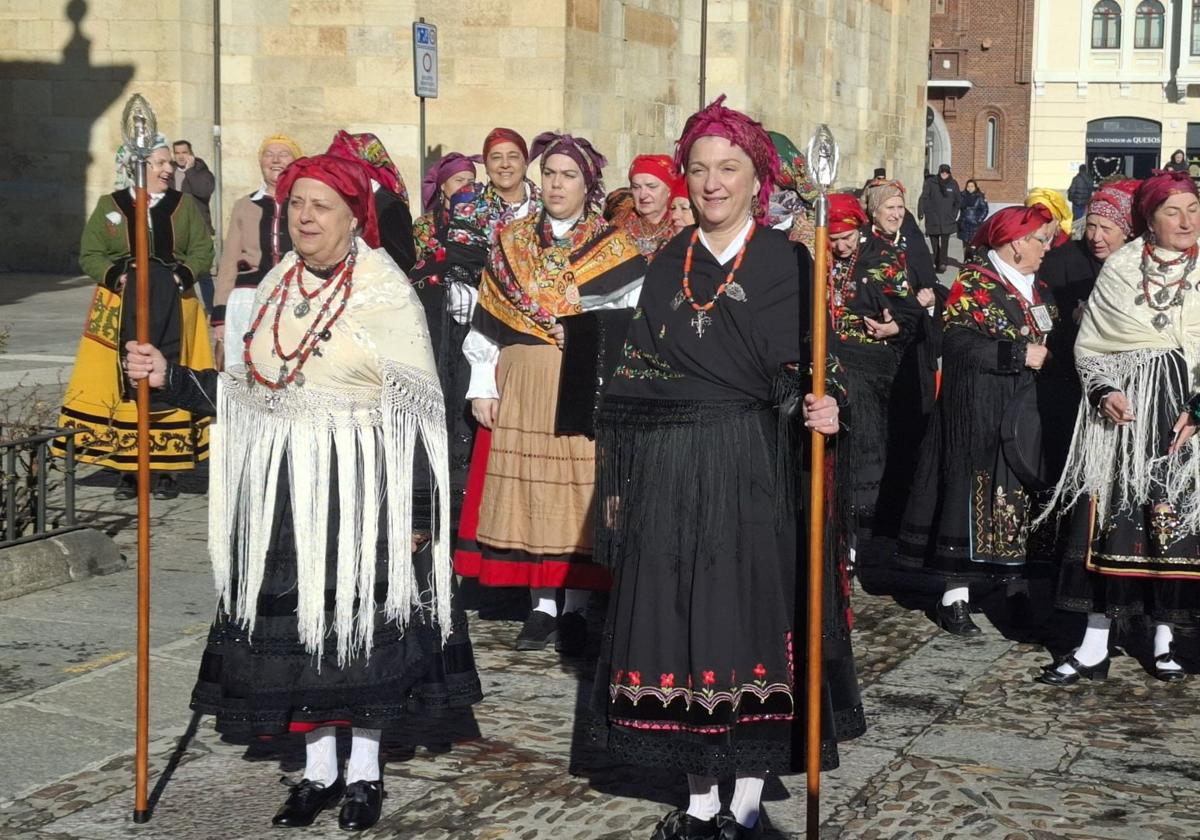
(97, 399)
(1054, 203)
(970, 507)
(1134, 467)
(442, 180)
(509, 194)
(391, 195)
(535, 517)
(697, 507)
(250, 249)
(329, 525)
(648, 220)
(874, 316)
(682, 215)
(791, 207)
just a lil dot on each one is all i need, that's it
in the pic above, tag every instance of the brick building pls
(980, 72)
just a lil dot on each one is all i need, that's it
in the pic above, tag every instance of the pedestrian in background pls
(194, 178)
(1178, 162)
(938, 206)
(1080, 192)
(971, 214)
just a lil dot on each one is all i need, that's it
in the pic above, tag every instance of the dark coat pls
(971, 215)
(200, 183)
(938, 206)
(396, 229)
(1080, 191)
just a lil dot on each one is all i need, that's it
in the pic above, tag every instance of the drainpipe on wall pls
(215, 206)
(1173, 92)
(703, 49)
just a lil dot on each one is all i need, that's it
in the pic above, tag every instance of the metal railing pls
(25, 485)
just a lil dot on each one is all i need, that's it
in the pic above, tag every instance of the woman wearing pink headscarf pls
(696, 506)
(1134, 467)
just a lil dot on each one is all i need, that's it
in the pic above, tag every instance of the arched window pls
(1196, 28)
(991, 133)
(1106, 25)
(1148, 25)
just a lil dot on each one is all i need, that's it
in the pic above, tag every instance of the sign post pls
(425, 77)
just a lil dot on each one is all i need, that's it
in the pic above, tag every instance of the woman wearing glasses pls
(968, 515)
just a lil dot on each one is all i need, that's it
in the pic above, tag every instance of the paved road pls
(962, 743)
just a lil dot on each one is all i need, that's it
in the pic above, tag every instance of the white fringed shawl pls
(368, 400)
(1120, 348)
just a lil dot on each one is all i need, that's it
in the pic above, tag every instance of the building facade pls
(626, 73)
(980, 73)
(1116, 87)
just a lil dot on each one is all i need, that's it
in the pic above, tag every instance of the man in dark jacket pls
(1080, 192)
(193, 177)
(938, 206)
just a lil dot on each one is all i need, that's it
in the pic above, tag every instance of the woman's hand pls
(1184, 428)
(419, 539)
(926, 297)
(1036, 355)
(886, 327)
(1116, 408)
(486, 411)
(559, 335)
(219, 332)
(143, 361)
(820, 415)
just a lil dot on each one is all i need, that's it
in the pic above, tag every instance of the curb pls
(53, 561)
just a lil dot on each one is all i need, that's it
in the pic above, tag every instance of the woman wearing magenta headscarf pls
(391, 195)
(1134, 467)
(697, 511)
(329, 525)
(968, 515)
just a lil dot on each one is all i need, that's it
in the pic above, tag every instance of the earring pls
(1016, 258)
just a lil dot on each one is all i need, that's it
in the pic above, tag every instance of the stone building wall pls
(623, 72)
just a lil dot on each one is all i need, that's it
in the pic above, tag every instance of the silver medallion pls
(301, 309)
(282, 378)
(1162, 295)
(679, 299)
(734, 291)
(701, 322)
(1160, 321)
(1139, 300)
(299, 379)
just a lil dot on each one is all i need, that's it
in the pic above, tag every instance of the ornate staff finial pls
(823, 159)
(139, 127)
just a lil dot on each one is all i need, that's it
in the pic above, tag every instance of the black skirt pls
(702, 661)
(261, 685)
(870, 372)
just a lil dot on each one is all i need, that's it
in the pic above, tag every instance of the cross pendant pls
(701, 322)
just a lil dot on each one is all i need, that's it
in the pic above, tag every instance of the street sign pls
(425, 62)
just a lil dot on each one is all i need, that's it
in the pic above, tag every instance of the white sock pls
(364, 756)
(958, 593)
(576, 600)
(1163, 636)
(1094, 646)
(320, 755)
(747, 795)
(543, 600)
(704, 800)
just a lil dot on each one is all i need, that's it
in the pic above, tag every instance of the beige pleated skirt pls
(538, 490)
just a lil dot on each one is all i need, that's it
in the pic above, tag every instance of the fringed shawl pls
(366, 403)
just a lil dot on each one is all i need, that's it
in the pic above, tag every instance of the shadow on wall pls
(49, 110)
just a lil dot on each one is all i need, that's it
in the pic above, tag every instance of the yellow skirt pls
(93, 400)
(537, 496)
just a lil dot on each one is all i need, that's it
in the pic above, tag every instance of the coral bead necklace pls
(730, 287)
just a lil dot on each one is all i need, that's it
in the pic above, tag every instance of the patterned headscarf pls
(793, 168)
(1010, 224)
(1114, 201)
(748, 135)
(879, 190)
(661, 167)
(349, 178)
(504, 135)
(845, 213)
(126, 159)
(369, 150)
(579, 149)
(442, 171)
(283, 140)
(1053, 201)
(1156, 189)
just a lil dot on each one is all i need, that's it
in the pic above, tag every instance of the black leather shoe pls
(306, 800)
(364, 802)
(126, 487)
(956, 619)
(540, 630)
(166, 487)
(1053, 676)
(572, 634)
(1168, 674)
(680, 825)
(730, 829)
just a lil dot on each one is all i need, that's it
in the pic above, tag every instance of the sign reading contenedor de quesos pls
(425, 64)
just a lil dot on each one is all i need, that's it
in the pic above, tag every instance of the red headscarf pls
(1156, 189)
(368, 150)
(680, 189)
(348, 178)
(504, 135)
(1115, 202)
(845, 213)
(659, 166)
(1011, 223)
(442, 171)
(718, 121)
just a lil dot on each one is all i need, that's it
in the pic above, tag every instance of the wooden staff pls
(139, 124)
(823, 161)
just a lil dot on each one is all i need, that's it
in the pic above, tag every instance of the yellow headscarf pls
(285, 140)
(1053, 201)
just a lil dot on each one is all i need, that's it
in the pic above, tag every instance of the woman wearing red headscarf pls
(680, 208)
(1134, 467)
(394, 217)
(329, 513)
(971, 504)
(651, 179)
(697, 511)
